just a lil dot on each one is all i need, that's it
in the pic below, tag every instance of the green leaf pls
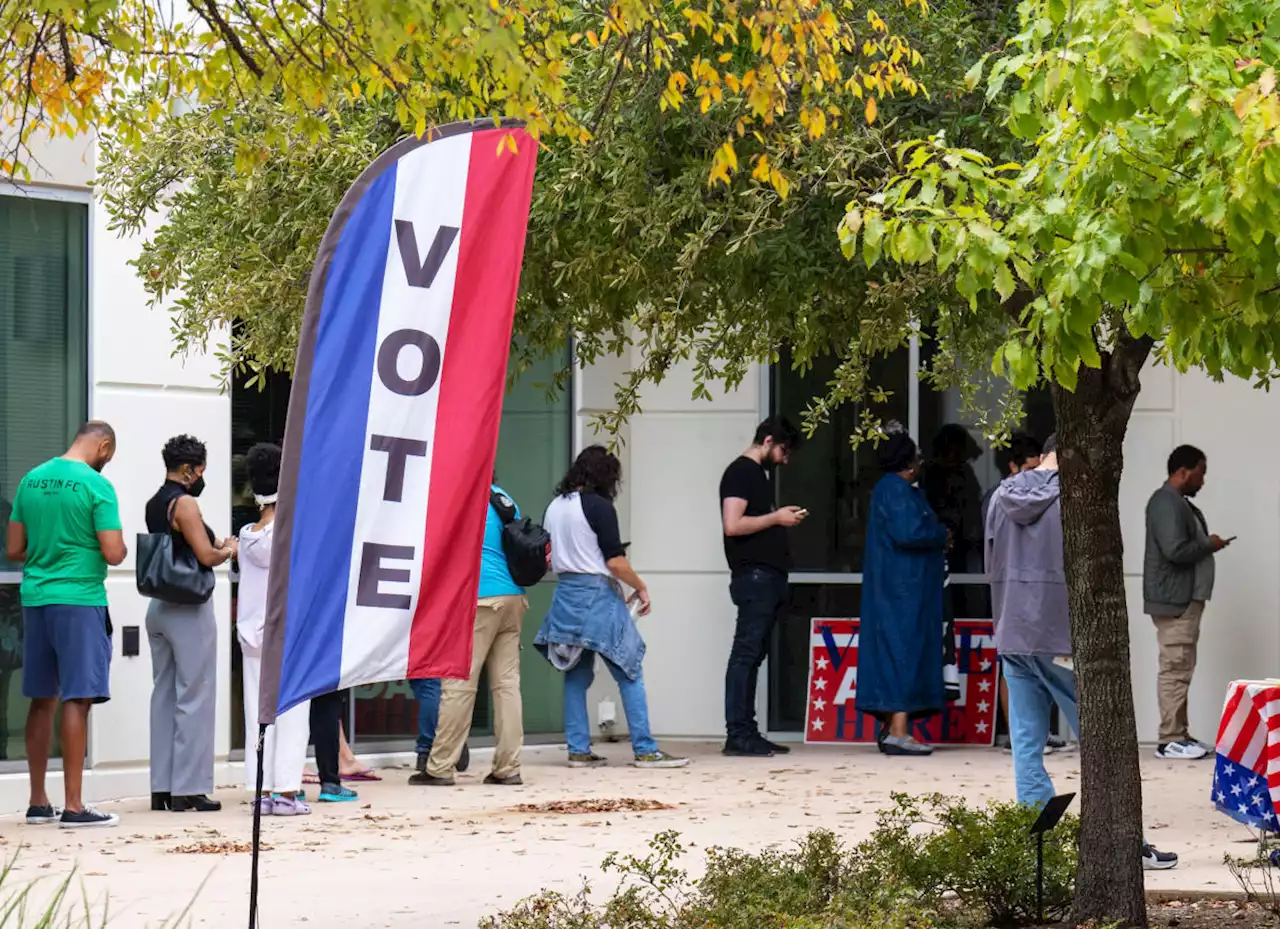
(1004, 282)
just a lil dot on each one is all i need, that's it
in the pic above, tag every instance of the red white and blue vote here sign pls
(832, 714)
(393, 419)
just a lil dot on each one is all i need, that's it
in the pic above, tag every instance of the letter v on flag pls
(393, 419)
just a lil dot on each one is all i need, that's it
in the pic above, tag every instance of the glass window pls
(43, 392)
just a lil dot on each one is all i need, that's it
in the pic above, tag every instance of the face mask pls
(197, 486)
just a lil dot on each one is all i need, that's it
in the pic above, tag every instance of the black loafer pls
(197, 803)
(161, 800)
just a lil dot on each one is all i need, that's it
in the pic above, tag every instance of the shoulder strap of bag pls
(503, 506)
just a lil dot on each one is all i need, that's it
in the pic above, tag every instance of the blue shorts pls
(66, 653)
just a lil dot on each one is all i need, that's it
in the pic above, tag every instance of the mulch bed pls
(1206, 914)
(620, 805)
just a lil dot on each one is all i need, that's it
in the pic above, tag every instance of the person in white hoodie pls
(285, 745)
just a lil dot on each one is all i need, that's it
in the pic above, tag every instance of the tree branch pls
(209, 13)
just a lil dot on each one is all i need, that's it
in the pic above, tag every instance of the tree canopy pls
(626, 241)
(128, 65)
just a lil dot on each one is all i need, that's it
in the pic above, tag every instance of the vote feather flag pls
(393, 419)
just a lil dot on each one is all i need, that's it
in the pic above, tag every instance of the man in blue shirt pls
(500, 608)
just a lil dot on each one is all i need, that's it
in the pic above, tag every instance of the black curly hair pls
(263, 463)
(184, 450)
(596, 471)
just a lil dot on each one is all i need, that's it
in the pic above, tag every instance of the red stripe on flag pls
(1229, 713)
(495, 217)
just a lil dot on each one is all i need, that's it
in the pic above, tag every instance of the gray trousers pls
(184, 696)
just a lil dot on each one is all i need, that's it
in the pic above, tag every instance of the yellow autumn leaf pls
(871, 109)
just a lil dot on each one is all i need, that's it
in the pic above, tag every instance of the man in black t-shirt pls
(758, 551)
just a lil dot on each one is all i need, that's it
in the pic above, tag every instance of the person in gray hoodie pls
(1027, 572)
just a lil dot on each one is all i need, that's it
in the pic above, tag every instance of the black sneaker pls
(747, 748)
(1155, 860)
(88, 818)
(422, 762)
(511, 780)
(42, 815)
(464, 760)
(776, 748)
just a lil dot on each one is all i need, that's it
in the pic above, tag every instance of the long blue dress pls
(900, 640)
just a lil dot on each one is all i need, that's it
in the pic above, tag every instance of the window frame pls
(85, 198)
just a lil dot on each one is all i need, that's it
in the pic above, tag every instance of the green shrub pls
(932, 862)
(932, 848)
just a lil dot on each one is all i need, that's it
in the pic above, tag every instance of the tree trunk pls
(1092, 422)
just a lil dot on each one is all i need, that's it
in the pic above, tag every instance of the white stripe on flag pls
(431, 187)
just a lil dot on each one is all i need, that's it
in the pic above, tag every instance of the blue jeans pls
(759, 594)
(1035, 685)
(427, 693)
(577, 726)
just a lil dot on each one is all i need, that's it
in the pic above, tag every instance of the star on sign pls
(984, 686)
(822, 664)
(986, 666)
(981, 728)
(817, 725)
(820, 684)
(983, 706)
(819, 704)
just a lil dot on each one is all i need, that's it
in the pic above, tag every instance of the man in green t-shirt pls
(65, 530)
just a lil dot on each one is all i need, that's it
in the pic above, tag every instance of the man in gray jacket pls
(1033, 625)
(1177, 581)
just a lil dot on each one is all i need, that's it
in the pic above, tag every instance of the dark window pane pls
(827, 476)
(43, 392)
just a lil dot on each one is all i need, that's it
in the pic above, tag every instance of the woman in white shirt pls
(285, 745)
(589, 614)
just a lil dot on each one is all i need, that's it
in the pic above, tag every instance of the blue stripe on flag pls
(333, 449)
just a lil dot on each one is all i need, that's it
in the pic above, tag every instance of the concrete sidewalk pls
(433, 857)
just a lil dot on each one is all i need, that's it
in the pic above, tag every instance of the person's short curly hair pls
(184, 450)
(263, 464)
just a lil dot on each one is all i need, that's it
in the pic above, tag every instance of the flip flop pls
(365, 775)
(309, 778)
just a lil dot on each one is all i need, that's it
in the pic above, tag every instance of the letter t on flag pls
(393, 419)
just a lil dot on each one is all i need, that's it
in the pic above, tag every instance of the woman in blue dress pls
(900, 640)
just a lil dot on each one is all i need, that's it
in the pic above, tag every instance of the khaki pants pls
(497, 646)
(1178, 637)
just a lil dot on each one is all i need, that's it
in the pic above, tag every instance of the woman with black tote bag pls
(183, 635)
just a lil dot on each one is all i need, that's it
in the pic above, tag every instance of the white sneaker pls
(1185, 750)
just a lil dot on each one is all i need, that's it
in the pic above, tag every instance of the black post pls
(1049, 817)
(257, 832)
(1040, 878)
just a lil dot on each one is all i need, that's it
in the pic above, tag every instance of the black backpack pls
(525, 543)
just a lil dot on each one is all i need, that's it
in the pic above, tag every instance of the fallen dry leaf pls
(216, 848)
(620, 805)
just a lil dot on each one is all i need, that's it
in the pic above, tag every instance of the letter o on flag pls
(389, 356)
